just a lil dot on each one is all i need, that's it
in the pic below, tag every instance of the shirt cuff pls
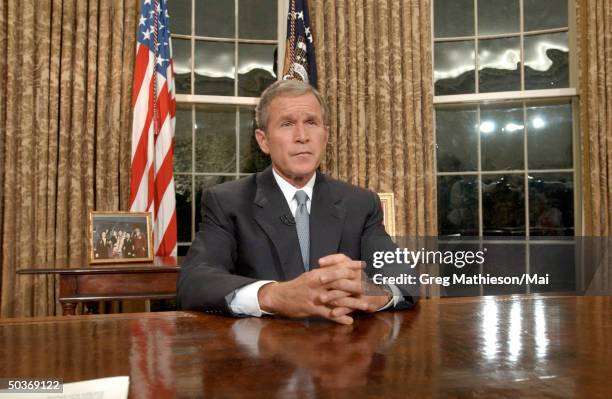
(246, 302)
(397, 296)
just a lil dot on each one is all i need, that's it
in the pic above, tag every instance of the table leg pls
(68, 308)
(90, 308)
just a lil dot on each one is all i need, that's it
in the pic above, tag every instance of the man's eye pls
(285, 124)
(311, 122)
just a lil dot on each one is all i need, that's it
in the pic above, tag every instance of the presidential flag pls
(154, 105)
(299, 53)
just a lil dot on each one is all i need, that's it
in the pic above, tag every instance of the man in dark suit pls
(104, 248)
(288, 240)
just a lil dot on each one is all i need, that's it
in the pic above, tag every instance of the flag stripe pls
(168, 243)
(139, 157)
(142, 59)
(163, 178)
(163, 105)
(152, 182)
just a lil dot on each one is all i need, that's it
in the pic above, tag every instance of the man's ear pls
(262, 140)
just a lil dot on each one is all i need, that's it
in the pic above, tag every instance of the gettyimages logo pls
(407, 257)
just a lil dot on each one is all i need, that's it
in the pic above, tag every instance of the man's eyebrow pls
(285, 117)
(292, 117)
(313, 116)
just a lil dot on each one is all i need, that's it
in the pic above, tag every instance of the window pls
(504, 116)
(500, 45)
(224, 55)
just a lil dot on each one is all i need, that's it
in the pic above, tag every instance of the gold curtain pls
(65, 111)
(594, 40)
(374, 68)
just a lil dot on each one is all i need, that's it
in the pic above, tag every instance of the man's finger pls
(349, 264)
(333, 259)
(339, 315)
(329, 275)
(332, 295)
(340, 311)
(351, 286)
(347, 320)
(351, 303)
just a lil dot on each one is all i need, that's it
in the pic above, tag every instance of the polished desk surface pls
(511, 347)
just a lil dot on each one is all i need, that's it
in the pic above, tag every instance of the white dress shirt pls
(245, 301)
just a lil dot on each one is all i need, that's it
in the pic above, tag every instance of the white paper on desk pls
(102, 388)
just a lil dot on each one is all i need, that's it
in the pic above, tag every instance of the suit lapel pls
(271, 213)
(326, 220)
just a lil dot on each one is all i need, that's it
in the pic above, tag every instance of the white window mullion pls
(506, 95)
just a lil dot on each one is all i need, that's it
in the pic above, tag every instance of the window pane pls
(453, 18)
(498, 65)
(180, 16)
(255, 68)
(504, 260)
(201, 184)
(181, 58)
(503, 205)
(546, 61)
(215, 137)
(215, 18)
(454, 68)
(456, 139)
(252, 159)
(551, 204)
(501, 137)
(182, 185)
(182, 250)
(182, 138)
(498, 16)
(547, 14)
(258, 19)
(457, 205)
(558, 260)
(214, 68)
(549, 130)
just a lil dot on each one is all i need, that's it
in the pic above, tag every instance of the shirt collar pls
(289, 190)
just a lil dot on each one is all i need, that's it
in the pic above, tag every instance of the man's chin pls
(301, 175)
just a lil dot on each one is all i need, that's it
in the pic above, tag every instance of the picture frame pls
(387, 201)
(120, 237)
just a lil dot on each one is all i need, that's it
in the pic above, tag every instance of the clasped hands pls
(333, 291)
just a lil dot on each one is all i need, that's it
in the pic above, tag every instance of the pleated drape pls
(594, 42)
(374, 68)
(65, 112)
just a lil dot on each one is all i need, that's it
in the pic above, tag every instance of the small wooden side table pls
(129, 281)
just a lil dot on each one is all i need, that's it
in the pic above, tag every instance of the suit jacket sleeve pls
(206, 280)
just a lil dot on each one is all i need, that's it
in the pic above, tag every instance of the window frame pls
(522, 96)
(193, 101)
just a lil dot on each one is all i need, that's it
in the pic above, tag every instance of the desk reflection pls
(320, 353)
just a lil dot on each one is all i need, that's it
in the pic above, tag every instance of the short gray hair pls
(286, 88)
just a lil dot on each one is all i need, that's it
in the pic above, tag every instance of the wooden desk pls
(509, 347)
(141, 281)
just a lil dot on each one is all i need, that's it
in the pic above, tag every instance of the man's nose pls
(301, 135)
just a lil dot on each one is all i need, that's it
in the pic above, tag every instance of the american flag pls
(154, 104)
(299, 61)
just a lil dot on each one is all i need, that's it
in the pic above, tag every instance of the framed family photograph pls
(118, 237)
(387, 200)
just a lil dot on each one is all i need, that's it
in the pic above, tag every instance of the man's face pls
(296, 137)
